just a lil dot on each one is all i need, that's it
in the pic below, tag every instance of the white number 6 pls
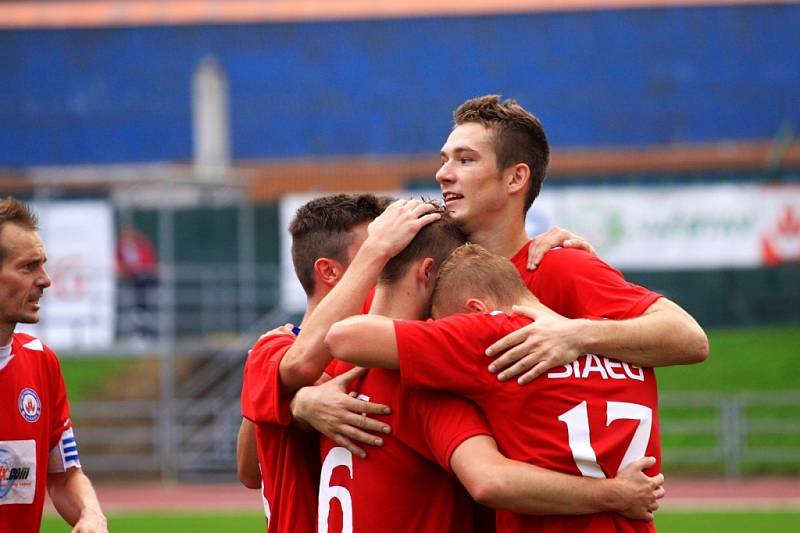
(336, 457)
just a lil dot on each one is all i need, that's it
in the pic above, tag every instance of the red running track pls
(758, 493)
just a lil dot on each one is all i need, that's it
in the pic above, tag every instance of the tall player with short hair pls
(400, 487)
(594, 417)
(492, 168)
(37, 445)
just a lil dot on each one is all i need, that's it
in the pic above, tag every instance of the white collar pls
(5, 355)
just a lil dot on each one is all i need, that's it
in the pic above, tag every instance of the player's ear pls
(476, 306)
(328, 271)
(425, 272)
(517, 177)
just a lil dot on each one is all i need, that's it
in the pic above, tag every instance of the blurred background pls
(166, 144)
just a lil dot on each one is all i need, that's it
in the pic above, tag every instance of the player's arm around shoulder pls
(387, 236)
(75, 500)
(496, 481)
(663, 335)
(366, 340)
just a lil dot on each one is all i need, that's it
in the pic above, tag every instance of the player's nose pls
(444, 175)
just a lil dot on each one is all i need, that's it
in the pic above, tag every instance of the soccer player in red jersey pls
(400, 487)
(492, 168)
(337, 268)
(38, 450)
(592, 417)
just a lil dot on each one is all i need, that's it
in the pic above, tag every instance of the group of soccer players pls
(571, 445)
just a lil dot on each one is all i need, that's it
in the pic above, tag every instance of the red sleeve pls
(262, 398)
(368, 302)
(59, 421)
(337, 367)
(447, 421)
(577, 284)
(448, 354)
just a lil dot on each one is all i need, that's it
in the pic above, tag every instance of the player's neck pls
(311, 304)
(503, 236)
(6, 331)
(396, 301)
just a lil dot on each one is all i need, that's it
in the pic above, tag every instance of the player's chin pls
(455, 210)
(28, 317)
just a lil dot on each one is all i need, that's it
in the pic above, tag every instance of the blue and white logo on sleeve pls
(30, 407)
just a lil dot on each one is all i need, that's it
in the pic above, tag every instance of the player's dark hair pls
(13, 211)
(436, 240)
(472, 271)
(517, 136)
(323, 228)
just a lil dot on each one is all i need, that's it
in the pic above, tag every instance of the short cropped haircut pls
(517, 136)
(471, 271)
(323, 228)
(436, 240)
(13, 211)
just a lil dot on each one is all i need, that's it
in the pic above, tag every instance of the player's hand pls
(638, 493)
(91, 523)
(286, 329)
(397, 226)
(552, 238)
(341, 417)
(550, 341)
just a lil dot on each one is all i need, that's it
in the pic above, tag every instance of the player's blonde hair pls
(472, 271)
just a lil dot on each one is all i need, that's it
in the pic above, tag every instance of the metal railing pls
(732, 434)
(204, 305)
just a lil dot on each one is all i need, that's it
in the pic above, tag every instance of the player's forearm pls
(306, 359)
(247, 456)
(664, 335)
(74, 497)
(367, 341)
(528, 489)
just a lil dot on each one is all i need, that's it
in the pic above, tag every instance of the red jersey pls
(576, 284)
(592, 417)
(406, 485)
(288, 458)
(35, 431)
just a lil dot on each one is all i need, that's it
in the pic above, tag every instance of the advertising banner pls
(669, 227)
(78, 310)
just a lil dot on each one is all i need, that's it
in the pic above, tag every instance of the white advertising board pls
(78, 310)
(666, 227)
(687, 227)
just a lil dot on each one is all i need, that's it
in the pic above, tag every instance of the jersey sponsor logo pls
(596, 365)
(17, 471)
(29, 405)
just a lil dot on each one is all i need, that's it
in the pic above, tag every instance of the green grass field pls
(774, 521)
(741, 359)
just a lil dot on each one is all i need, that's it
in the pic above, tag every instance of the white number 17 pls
(577, 421)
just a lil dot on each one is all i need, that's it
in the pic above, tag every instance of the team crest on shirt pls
(30, 407)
